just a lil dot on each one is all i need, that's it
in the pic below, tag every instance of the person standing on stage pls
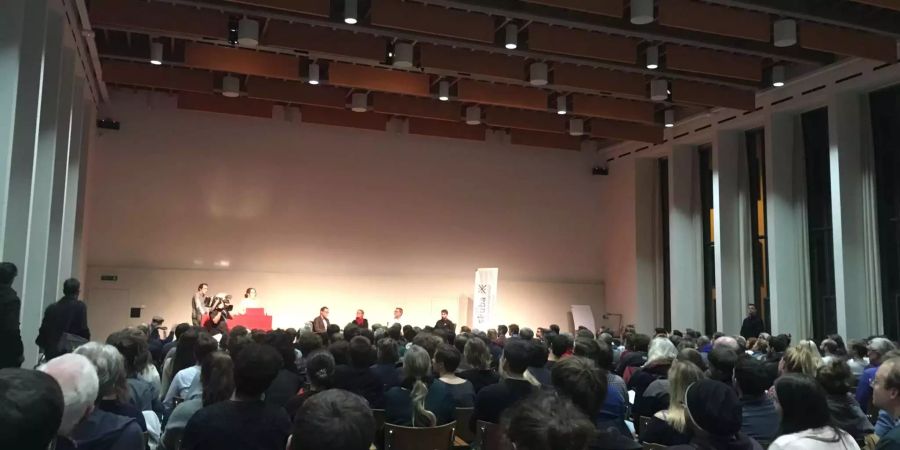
(320, 324)
(249, 301)
(445, 322)
(198, 304)
(753, 325)
(360, 320)
(398, 313)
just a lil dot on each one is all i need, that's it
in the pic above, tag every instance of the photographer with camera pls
(219, 308)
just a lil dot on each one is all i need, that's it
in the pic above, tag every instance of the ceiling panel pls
(416, 106)
(710, 62)
(847, 42)
(442, 128)
(158, 17)
(525, 120)
(376, 79)
(711, 95)
(704, 17)
(242, 61)
(567, 41)
(888, 4)
(297, 92)
(321, 8)
(539, 139)
(216, 103)
(626, 131)
(344, 118)
(323, 40)
(472, 62)
(613, 108)
(567, 75)
(432, 20)
(611, 8)
(158, 77)
(501, 95)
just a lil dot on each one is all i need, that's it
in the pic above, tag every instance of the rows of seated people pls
(306, 391)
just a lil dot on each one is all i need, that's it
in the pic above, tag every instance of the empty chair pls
(398, 437)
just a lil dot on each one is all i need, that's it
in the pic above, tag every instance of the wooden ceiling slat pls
(344, 118)
(846, 42)
(373, 78)
(525, 120)
(146, 75)
(242, 61)
(566, 41)
(710, 62)
(626, 131)
(441, 128)
(549, 140)
(712, 95)
(432, 20)
(501, 95)
(320, 8)
(613, 108)
(567, 75)
(715, 19)
(611, 8)
(216, 103)
(297, 36)
(157, 17)
(887, 4)
(297, 92)
(472, 62)
(416, 106)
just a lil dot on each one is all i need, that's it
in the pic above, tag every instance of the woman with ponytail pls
(417, 401)
(320, 373)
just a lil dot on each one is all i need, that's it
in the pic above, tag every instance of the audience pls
(722, 360)
(491, 401)
(878, 347)
(615, 404)
(217, 379)
(886, 396)
(446, 359)
(320, 372)
(714, 415)
(547, 422)
(288, 381)
(837, 381)
(537, 371)
(760, 418)
(802, 358)
(386, 369)
(418, 402)
(186, 382)
(669, 426)
(113, 389)
(333, 420)
(635, 354)
(12, 351)
(659, 360)
(857, 359)
(356, 376)
(64, 325)
(479, 359)
(142, 394)
(805, 419)
(560, 345)
(31, 408)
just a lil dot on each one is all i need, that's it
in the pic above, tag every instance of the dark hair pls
(803, 404)
(181, 328)
(587, 348)
(350, 331)
(477, 354)
(579, 379)
(513, 328)
(184, 351)
(428, 341)
(560, 344)
(836, 377)
(721, 364)
(387, 351)
(516, 353)
(134, 349)
(32, 409)
(554, 328)
(71, 287)
(395, 332)
(206, 345)
(8, 273)
(200, 286)
(409, 333)
(641, 342)
(247, 292)
(448, 356)
(254, 369)
(340, 350)
(361, 353)
(539, 354)
(502, 329)
(333, 420)
(444, 311)
(779, 343)
(217, 378)
(693, 356)
(308, 342)
(320, 369)
(323, 308)
(546, 421)
(604, 358)
(858, 348)
(283, 343)
(839, 341)
(752, 376)
(460, 341)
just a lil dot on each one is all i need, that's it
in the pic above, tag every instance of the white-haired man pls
(83, 426)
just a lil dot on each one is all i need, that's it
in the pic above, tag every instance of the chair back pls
(489, 436)
(463, 417)
(398, 437)
(643, 422)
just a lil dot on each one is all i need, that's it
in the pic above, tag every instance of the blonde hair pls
(661, 349)
(802, 358)
(417, 365)
(681, 375)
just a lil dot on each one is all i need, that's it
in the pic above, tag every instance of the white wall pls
(314, 215)
(619, 246)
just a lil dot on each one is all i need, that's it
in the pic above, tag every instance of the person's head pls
(217, 378)
(308, 342)
(388, 353)
(641, 342)
(341, 351)
(203, 288)
(181, 328)
(681, 375)
(360, 314)
(446, 359)
(477, 354)
(751, 377)
(878, 347)
(398, 313)
(761, 346)
(184, 350)
(579, 379)
(545, 422)
(661, 349)
(886, 386)
(283, 343)
(586, 347)
(515, 357)
(802, 402)
(254, 369)
(513, 329)
(250, 293)
(206, 345)
(443, 314)
(800, 358)
(31, 408)
(333, 420)
(693, 356)
(713, 409)
(539, 354)
(751, 309)
(560, 344)
(554, 328)
(727, 342)
(134, 350)
(361, 353)
(71, 287)
(395, 332)
(779, 343)
(605, 358)
(323, 312)
(320, 369)
(526, 333)
(460, 341)
(721, 364)
(428, 341)
(858, 349)
(110, 370)
(77, 378)
(502, 330)
(836, 377)
(8, 273)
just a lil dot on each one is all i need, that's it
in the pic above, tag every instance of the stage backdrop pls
(316, 215)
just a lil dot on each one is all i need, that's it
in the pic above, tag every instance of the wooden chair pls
(489, 436)
(397, 437)
(463, 416)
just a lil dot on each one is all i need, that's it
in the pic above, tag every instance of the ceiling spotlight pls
(233, 31)
(784, 33)
(512, 36)
(576, 127)
(156, 53)
(562, 107)
(248, 33)
(444, 91)
(670, 118)
(313, 74)
(641, 12)
(778, 74)
(538, 74)
(231, 86)
(659, 90)
(653, 57)
(473, 115)
(359, 102)
(351, 12)
(403, 55)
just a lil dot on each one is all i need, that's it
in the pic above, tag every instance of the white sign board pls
(485, 298)
(583, 316)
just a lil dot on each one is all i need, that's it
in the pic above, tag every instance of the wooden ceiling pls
(714, 53)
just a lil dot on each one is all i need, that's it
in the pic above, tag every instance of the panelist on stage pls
(398, 313)
(320, 323)
(198, 304)
(445, 322)
(249, 301)
(360, 320)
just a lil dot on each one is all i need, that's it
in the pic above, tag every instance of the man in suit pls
(320, 324)
(198, 305)
(68, 315)
(11, 352)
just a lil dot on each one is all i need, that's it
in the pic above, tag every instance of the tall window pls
(818, 203)
(709, 239)
(885, 106)
(664, 219)
(756, 165)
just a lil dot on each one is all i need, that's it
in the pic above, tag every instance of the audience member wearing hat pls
(714, 414)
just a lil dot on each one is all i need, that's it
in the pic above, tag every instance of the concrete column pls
(73, 183)
(685, 239)
(12, 19)
(855, 245)
(647, 244)
(786, 225)
(89, 131)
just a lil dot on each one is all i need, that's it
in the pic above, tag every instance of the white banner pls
(485, 298)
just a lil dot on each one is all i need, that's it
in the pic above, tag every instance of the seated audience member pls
(884, 423)
(760, 349)
(385, 369)
(560, 346)
(446, 359)
(429, 341)
(886, 396)
(168, 350)
(31, 409)
(547, 422)
(307, 343)
(635, 354)
(802, 358)
(760, 418)
(334, 420)
(669, 426)
(721, 364)
(285, 386)
(491, 401)
(537, 363)
(856, 358)
(320, 371)
(245, 422)
(713, 414)
(586, 347)
(615, 404)
(113, 389)
(356, 377)
(217, 378)
(584, 384)
(186, 382)
(418, 402)
(341, 351)
(878, 350)
(182, 358)
(805, 420)
(83, 426)
(837, 380)
(142, 394)
(659, 360)
(479, 359)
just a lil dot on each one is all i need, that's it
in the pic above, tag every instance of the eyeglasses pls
(874, 382)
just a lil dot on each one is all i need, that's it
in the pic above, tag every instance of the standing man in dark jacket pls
(68, 315)
(11, 352)
(753, 324)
